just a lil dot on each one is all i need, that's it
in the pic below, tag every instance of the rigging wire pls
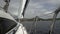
(36, 23)
(32, 27)
(54, 20)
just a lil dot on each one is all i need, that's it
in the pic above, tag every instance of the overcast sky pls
(41, 7)
(35, 7)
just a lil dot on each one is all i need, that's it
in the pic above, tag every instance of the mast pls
(24, 9)
(24, 6)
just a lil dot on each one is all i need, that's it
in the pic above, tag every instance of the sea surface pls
(41, 27)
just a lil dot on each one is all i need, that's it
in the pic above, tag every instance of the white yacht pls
(8, 25)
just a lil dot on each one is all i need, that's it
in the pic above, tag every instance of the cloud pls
(40, 8)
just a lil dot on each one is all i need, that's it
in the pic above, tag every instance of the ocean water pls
(41, 27)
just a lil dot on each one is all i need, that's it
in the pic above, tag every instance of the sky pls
(39, 8)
